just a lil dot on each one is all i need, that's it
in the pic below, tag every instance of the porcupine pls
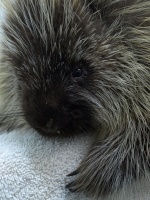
(82, 65)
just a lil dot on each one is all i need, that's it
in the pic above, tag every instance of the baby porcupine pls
(82, 65)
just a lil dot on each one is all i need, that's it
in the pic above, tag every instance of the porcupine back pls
(123, 156)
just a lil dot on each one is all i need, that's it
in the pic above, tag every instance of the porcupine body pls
(71, 66)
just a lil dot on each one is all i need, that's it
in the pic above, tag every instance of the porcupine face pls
(56, 104)
(50, 43)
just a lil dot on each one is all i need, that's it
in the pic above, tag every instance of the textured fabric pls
(35, 168)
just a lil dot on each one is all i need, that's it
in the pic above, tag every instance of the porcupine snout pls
(56, 121)
(48, 118)
(55, 113)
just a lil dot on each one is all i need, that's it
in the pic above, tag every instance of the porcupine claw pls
(70, 186)
(73, 173)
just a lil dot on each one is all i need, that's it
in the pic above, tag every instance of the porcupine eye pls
(77, 73)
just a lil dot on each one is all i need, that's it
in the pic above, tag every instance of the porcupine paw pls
(93, 180)
(87, 180)
(99, 174)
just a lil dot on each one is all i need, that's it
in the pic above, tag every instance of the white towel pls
(34, 168)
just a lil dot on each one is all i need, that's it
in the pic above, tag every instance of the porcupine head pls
(52, 47)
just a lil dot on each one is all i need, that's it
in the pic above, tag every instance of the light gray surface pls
(34, 168)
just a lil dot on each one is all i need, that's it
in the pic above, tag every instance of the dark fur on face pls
(51, 65)
(83, 66)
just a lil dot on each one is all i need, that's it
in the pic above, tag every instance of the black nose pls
(50, 124)
(50, 127)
